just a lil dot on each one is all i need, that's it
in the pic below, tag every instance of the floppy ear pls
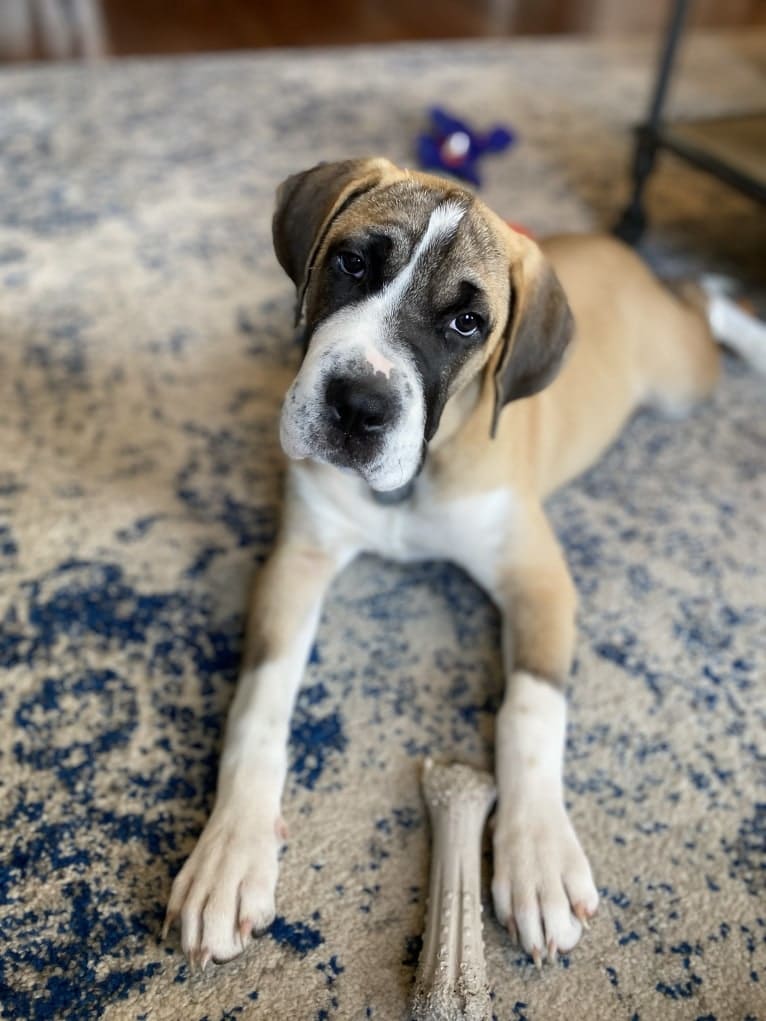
(540, 326)
(307, 204)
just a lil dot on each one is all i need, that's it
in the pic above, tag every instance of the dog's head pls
(408, 287)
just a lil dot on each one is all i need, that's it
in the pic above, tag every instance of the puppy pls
(455, 374)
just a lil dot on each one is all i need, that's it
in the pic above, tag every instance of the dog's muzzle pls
(344, 410)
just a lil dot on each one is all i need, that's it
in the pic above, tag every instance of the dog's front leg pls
(225, 891)
(542, 887)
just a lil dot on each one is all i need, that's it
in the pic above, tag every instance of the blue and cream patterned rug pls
(144, 342)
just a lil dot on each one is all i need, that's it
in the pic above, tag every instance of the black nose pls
(359, 405)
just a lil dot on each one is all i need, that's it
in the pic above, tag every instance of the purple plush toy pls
(453, 146)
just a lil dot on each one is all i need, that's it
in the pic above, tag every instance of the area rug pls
(145, 340)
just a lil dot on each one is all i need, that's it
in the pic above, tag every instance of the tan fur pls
(635, 342)
(478, 502)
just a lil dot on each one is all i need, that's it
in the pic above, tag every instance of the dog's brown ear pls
(307, 204)
(540, 326)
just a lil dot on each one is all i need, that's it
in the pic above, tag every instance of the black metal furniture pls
(733, 149)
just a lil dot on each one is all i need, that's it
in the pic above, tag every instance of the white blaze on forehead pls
(442, 225)
(365, 325)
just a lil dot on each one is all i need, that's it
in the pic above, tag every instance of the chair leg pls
(632, 223)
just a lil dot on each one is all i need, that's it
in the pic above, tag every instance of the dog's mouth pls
(352, 454)
(355, 429)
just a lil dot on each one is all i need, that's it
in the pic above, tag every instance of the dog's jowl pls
(455, 373)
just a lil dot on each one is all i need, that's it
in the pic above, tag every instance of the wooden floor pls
(173, 26)
(31, 29)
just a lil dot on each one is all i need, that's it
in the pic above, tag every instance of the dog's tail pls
(731, 324)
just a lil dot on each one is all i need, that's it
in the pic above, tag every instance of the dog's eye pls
(466, 324)
(351, 264)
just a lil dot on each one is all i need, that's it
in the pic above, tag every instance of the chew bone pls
(451, 982)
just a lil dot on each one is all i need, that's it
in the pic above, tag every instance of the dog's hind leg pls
(732, 325)
(681, 360)
(685, 366)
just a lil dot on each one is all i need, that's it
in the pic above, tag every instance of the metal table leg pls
(632, 223)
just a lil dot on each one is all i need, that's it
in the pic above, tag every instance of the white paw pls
(225, 891)
(542, 887)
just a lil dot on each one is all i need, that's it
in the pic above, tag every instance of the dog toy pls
(451, 981)
(453, 146)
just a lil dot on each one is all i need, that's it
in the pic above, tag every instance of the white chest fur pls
(340, 511)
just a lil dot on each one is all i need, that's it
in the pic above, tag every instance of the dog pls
(455, 373)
